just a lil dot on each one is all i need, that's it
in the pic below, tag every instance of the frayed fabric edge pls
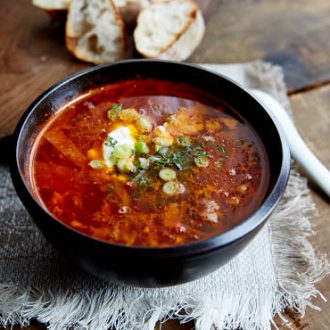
(78, 312)
(298, 266)
(298, 269)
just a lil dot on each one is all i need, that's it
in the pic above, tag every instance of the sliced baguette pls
(129, 9)
(95, 31)
(169, 30)
(52, 4)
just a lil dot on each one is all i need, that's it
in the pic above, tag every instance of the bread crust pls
(72, 40)
(184, 42)
(187, 42)
(52, 5)
(130, 12)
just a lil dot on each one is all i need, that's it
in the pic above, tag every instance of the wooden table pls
(293, 34)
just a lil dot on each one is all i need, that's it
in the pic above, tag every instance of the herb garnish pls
(166, 158)
(114, 111)
(222, 150)
(141, 179)
(110, 142)
(183, 141)
(180, 158)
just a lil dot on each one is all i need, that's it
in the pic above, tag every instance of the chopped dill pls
(142, 179)
(165, 158)
(222, 150)
(110, 142)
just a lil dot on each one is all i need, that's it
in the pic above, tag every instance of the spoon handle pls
(299, 150)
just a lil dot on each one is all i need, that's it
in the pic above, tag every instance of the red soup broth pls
(149, 163)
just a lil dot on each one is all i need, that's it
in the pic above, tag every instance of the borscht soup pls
(148, 162)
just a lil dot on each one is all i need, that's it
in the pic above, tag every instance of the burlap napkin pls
(277, 270)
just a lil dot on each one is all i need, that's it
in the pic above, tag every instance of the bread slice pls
(95, 31)
(169, 30)
(129, 9)
(52, 4)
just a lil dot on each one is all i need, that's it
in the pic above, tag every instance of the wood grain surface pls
(291, 33)
(33, 57)
(311, 111)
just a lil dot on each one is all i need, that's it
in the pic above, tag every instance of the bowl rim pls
(238, 232)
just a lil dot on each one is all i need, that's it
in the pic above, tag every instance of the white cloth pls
(277, 270)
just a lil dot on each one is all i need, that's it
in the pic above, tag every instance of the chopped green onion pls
(112, 160)
(122, 151)
(167, 174)
(117, 106)
(126, 165)
(144, 163)
(96, 163)
(141, 148)
(173, 188)
(114, 111)
(201, 161)
(129, 114)
(183, 141)
(143, 124)
(202, 153)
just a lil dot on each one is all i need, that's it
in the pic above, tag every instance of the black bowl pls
(141, 266)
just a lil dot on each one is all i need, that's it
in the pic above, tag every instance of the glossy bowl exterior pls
(149, 267)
